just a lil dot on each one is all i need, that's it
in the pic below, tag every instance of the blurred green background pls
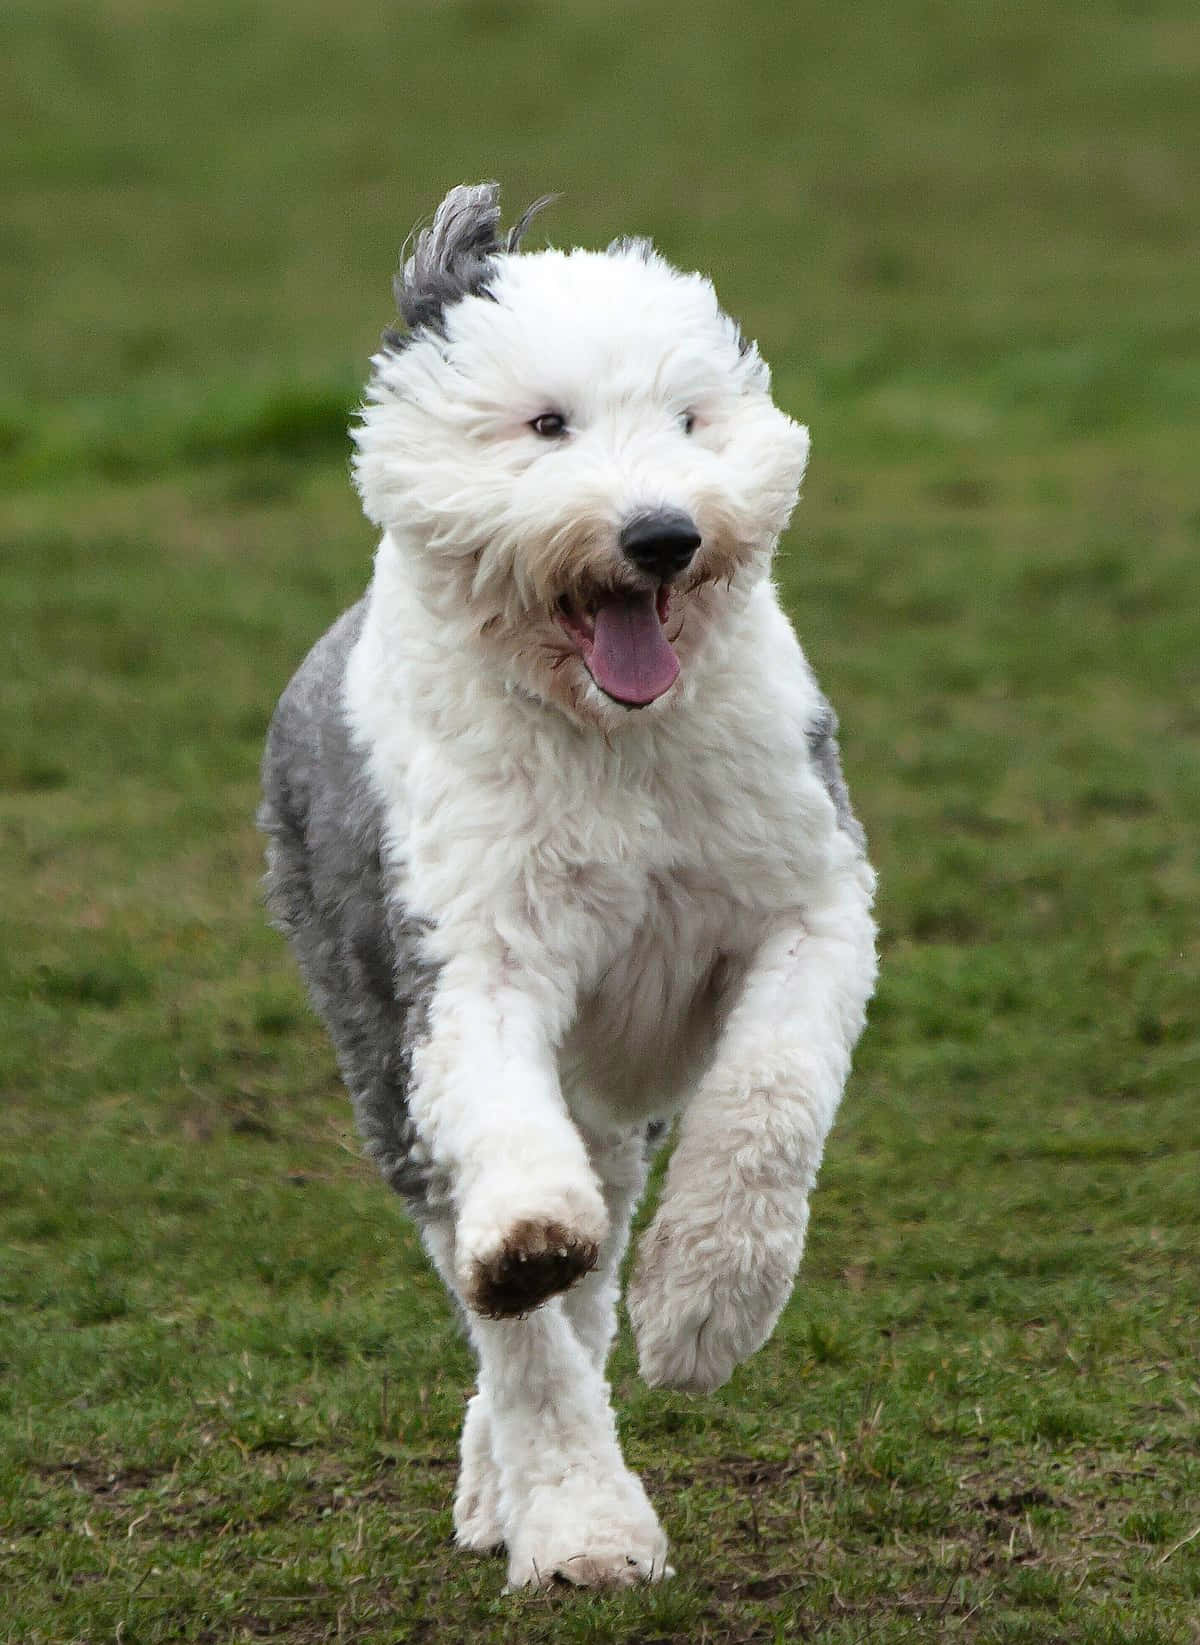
(966, 238)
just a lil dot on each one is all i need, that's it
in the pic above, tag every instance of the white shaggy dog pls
(558, 831)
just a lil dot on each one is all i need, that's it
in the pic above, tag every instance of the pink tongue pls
(631, 657)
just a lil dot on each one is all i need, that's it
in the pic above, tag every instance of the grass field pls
(963, 234)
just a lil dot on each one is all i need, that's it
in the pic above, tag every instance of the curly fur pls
(538, 920)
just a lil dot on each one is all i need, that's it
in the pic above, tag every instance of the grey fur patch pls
(827, 757)
(454, 257)
(360, 956)
(632, 245)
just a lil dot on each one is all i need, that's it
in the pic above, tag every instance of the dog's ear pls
(453, 257)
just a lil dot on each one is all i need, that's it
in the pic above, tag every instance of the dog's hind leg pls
(478, 1526)
(591, 1304)
(477, 1522)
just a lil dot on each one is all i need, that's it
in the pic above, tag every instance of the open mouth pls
(621, 637)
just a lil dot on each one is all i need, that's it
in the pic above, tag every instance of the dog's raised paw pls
(536, 1261)
(703, 1299)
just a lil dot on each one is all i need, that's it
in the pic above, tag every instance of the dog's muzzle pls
(661, 542)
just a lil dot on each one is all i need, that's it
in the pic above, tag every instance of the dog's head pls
(579, 452)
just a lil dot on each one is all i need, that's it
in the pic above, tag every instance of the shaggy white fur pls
(609, 806)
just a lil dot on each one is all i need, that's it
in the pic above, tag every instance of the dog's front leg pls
(589, 1310)
(718, 1263)
(542, 1470)
(529, 1214)
(568, 1505)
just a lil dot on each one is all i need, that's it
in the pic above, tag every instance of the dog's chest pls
(658, 925)
(634, 891)
(652, 997)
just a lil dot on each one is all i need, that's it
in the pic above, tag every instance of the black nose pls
(661, 542)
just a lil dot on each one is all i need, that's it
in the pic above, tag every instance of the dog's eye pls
(551, 425)
(688, 421)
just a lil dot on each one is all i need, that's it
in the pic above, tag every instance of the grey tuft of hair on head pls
(454, 256)
(632, 245)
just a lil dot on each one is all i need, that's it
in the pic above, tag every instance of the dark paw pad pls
(536, 1261)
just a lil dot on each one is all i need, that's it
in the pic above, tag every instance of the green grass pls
(229, 1390)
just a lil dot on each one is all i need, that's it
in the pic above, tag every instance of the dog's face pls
(581, 454)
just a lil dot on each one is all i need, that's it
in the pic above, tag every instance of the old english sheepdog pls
(558, 831)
